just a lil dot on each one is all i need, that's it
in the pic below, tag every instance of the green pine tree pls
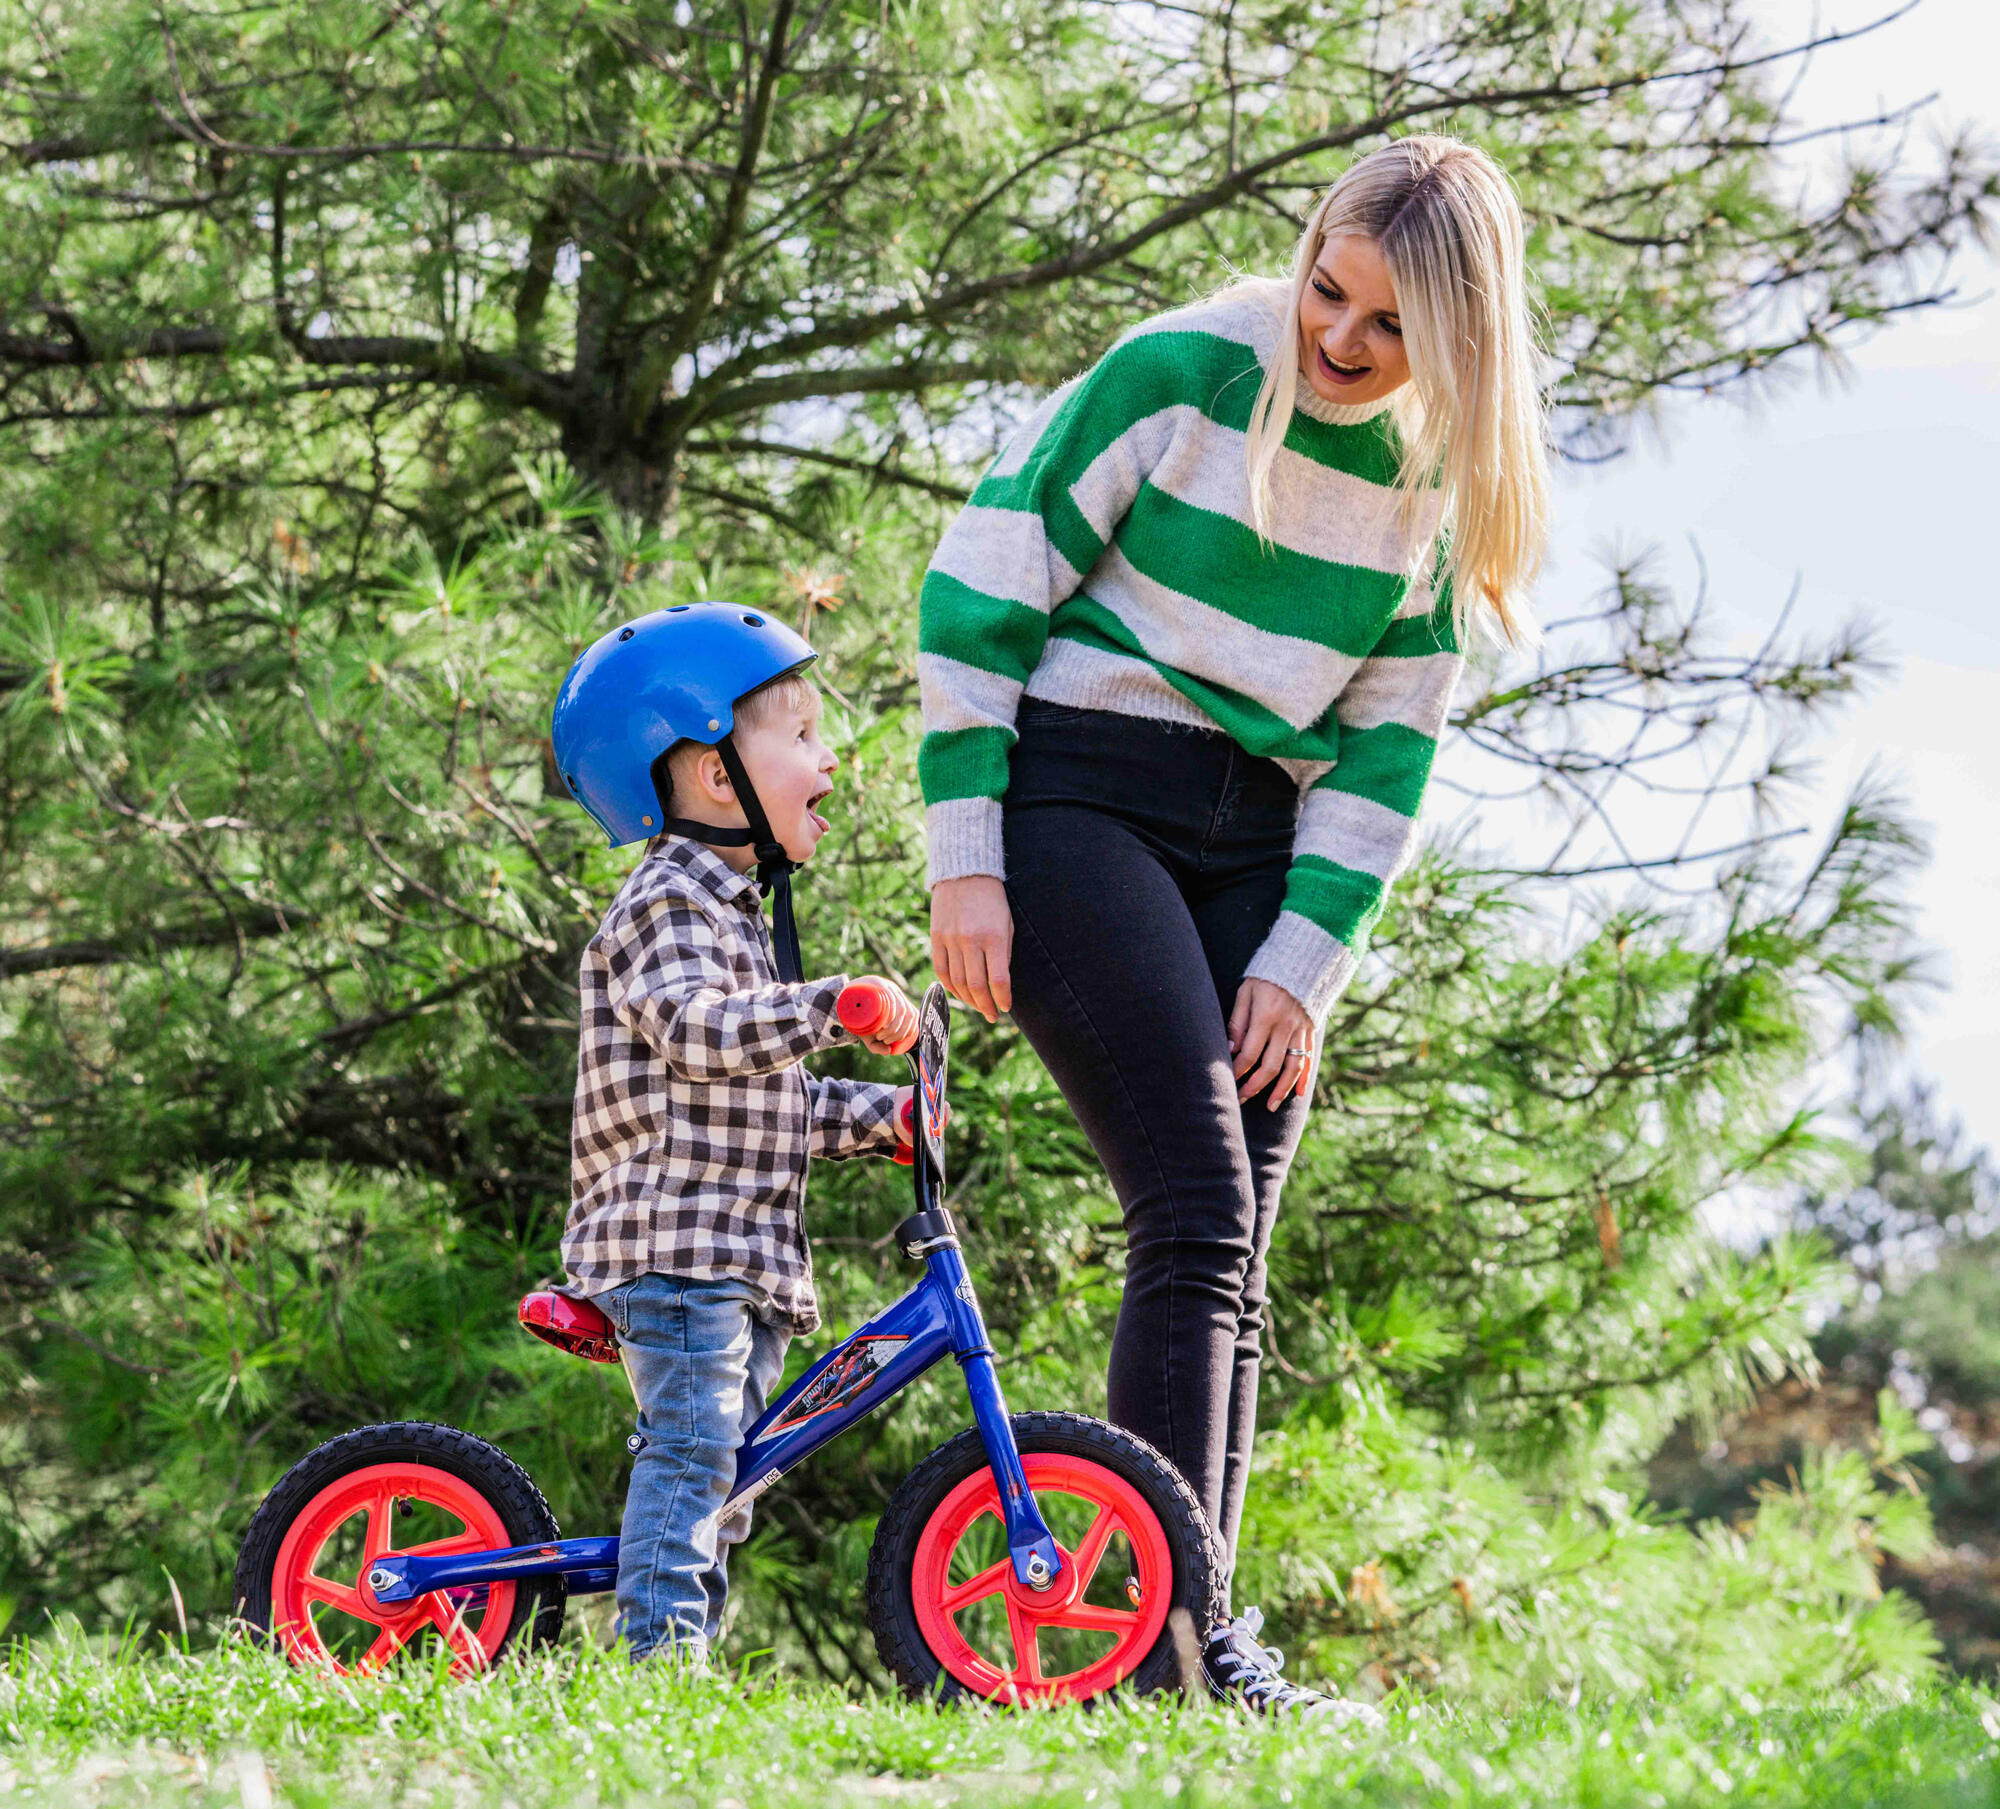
(359, 368)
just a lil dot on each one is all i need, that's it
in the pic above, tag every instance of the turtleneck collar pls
(1336, 414)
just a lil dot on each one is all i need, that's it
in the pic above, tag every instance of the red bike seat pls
(572, 1325)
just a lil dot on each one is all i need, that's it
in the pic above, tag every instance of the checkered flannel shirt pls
(694, 1120)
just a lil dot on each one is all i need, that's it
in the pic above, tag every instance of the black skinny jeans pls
(1146, 862)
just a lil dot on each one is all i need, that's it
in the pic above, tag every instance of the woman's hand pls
(972, 940)
(1271, 1041)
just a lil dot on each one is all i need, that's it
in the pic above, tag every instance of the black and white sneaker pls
(1237, 1669)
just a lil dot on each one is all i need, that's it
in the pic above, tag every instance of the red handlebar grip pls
(861, 1008)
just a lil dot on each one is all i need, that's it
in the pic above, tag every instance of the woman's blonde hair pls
(1471, 419)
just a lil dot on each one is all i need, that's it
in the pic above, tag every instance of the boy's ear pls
(713, 777)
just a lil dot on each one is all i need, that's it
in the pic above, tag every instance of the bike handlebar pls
(866, 1007)
(863, 1008)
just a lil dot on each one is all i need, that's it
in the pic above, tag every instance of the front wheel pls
(302, 1578)
(950, 1617)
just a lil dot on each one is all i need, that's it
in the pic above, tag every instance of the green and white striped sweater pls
(1107, 560)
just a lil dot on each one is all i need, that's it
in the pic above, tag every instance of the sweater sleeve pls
(1039, 519)
(1358, 820)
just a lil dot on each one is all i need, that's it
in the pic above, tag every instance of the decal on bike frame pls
(739, 1503)
(848, 1375)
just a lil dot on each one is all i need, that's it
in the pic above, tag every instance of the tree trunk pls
(642, 480)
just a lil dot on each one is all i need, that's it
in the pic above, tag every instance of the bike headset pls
(677, 675)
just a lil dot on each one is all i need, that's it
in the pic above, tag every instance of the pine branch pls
(814, 455)
(137, 944)
(1235, 183)
(864, 380)
(704, 285)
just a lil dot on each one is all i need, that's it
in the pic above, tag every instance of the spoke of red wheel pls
(380, 1506)
(387, 1644)
(1094, 1619)
(450, 1622)
(1091, 1550)
(1027, 1660)
(441, 1548)
(335, 1595)
(975, 1588)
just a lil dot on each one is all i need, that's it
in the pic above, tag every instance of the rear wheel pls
(951, 1618)
(404, 1488)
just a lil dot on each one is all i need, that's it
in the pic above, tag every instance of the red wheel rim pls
(472, 1622)
(1118, 1508)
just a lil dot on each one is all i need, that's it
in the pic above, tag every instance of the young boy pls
(694, 1120)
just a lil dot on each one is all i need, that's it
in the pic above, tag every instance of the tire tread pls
(899, 1642)
(523, 1510)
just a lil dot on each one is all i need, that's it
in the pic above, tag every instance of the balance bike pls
(1034, 1557)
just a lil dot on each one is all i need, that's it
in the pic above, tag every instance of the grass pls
(80, 1724)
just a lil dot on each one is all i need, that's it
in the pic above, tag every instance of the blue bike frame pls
(892, 1350)
(940, 1314)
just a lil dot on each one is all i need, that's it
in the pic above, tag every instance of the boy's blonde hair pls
(1472, 418)
(788, 691)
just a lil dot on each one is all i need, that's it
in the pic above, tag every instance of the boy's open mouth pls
(1339, 373)
(819, 822)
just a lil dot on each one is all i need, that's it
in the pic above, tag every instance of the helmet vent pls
(625, 634)
(755, 621)
(677, 609)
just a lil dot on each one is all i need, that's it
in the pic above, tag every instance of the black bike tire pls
(539, 1602)
(1197, 1600)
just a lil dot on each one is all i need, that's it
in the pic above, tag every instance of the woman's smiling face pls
(1350, 335)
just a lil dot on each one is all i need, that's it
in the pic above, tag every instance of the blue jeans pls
(702, 1366)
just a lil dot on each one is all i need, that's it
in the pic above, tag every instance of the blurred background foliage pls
(359, 365)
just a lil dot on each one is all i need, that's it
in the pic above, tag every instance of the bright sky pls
(1875, 500)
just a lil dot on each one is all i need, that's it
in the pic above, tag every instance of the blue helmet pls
(673, 675)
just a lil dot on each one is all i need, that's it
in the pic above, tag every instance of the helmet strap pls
(774, 865)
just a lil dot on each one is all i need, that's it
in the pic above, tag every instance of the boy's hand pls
(906, 1122)
(897, 1032)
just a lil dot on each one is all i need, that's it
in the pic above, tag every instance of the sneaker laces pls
(1238, 1665)
(1252, 1669)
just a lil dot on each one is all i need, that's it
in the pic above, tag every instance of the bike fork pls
(1031, 1547)
(1030, 1544)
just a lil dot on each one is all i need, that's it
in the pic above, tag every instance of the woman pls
(1185, 657)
